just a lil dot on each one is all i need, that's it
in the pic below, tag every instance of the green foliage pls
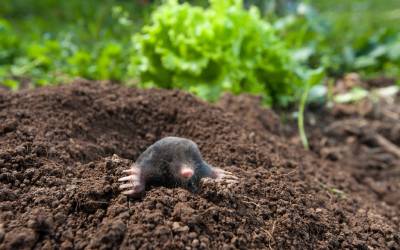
(210, 50)
(44, 45)
(218, 47)
(358, 37)
(381, 54)
(9, 43)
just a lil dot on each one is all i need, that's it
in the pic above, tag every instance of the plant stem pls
(300, 118)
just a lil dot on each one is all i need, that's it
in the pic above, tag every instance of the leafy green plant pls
(210, 50)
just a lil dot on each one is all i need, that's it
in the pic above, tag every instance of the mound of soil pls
(62, 150)
(364, 140)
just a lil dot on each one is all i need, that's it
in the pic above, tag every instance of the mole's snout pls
(186, 172)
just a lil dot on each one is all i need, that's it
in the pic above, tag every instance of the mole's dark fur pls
(171, 162)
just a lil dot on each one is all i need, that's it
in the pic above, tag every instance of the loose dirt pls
(364, 140)
(62, 150)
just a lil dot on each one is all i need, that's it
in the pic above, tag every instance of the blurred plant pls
(44, 45)
(51, 59)
(112, 62)
(336, 45)
(379, 53)
(9, 43)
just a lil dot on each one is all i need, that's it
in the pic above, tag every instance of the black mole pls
(171, 162)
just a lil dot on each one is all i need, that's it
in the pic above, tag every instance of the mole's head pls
(183, 171)
(187, 174)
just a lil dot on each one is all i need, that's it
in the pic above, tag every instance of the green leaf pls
(353, 95)
(12, 84)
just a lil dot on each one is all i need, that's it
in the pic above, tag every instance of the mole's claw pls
(136, 189)
(131, 170)
(133, 184)
(223, 175)
(129, 178)
(129, 192)
(127, 185)
(227, 173)
(232, 177)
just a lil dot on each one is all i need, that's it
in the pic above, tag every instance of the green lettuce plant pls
(210, 50)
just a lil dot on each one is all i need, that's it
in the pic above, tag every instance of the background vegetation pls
(50, 42)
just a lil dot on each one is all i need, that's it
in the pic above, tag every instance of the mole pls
(171, 162)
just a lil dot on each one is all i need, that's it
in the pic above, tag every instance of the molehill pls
(62, 150)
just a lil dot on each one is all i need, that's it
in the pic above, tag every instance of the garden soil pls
(62, 150)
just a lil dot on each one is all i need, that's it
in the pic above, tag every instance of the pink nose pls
(186, 172)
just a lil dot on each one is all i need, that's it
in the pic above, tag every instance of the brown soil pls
(364, 139)
(58, 178)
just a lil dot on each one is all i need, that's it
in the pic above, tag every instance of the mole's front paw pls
(134, 185)
(226, 176)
